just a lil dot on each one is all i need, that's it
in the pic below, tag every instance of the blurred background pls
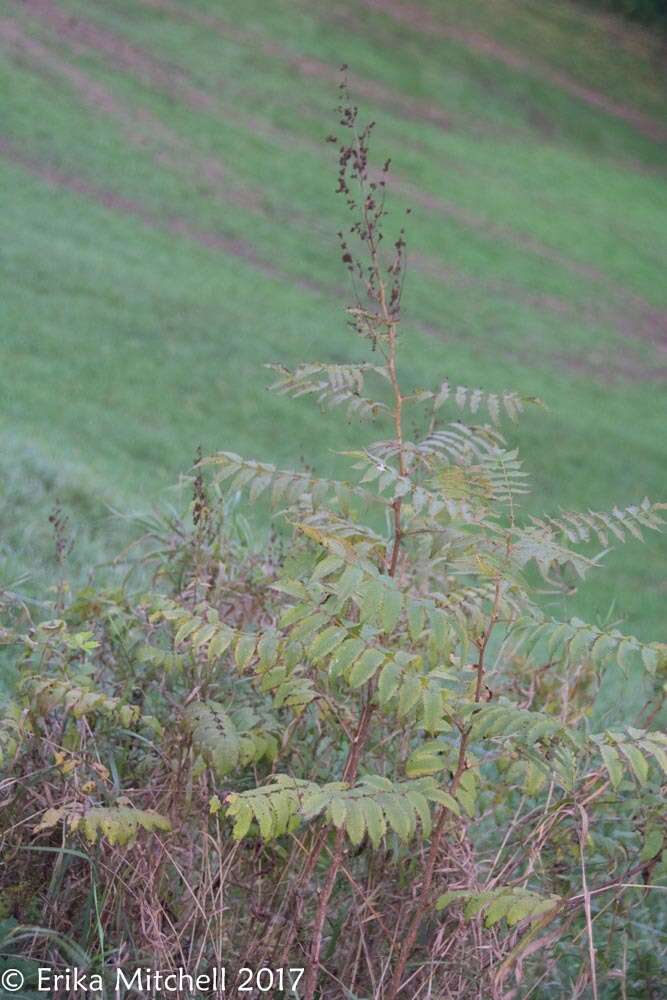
(169, 221)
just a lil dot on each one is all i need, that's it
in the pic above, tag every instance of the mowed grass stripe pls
(578, 229)
(652, 324)
(416, 15)
(211, 167)
(615, 55)
(547, 300)
(215, 240)
(213, 174)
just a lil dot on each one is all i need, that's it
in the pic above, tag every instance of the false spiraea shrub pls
(362, 749)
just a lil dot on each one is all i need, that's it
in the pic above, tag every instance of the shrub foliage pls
(363, 747)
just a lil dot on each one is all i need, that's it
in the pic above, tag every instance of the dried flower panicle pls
(200, 502)
(378, 297)
(64, 541)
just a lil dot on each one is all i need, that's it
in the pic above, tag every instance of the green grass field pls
(169, 225)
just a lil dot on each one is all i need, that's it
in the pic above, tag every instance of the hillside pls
(169, 225)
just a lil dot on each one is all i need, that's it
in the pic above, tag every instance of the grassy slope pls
(170, 223)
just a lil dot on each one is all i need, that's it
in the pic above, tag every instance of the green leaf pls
(315, 803)
(375, 821)
(400, 815)
(421, 806)
(391, 609)
(477, 903)
(273, 678)
(338, 811)
(186, 629)
(244, 650)
(268, 649)
(440, 631)
(280, 804)
(345, 655)
(518, 910)
(444, 799)
(307, 626)
(658, 752)
(579, 644)
(497, 909)
(446, 898)
(536, 776)
(355, 822)
(214, 736)
(242, 820)
(653, 843)
(325, 643)
(371, 601)
(119, 824)
(365, 667)
(388, 682)
(292, 587)
(219, 644)
(297, 691)
(203, 635)
(294, 614)
(264, 816)
(378, 782)
(409, 694)
(330, 564)
(637, 762)
(650, 659)
(416, 616)
(423, 762)
(467, 792)
(624, 654)
(348, 582)
(432, 702)
(613, 764)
